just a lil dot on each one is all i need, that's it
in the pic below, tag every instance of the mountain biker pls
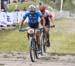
(48, 18)
(33, 19)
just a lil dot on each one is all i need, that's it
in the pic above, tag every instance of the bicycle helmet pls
(32, 8)
(42, 8)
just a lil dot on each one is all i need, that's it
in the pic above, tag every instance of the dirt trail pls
(48, 59)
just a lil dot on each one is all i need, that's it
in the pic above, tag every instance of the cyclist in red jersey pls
(48, 18)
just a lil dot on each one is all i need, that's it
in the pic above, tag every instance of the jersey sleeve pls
(26, 14)
(49, 14)
(39, 14)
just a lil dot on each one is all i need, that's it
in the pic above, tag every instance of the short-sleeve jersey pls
(32, 18)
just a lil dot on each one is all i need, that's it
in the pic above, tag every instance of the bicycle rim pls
(32, 50)
(44, 43)
(36, 54)
(41, 43)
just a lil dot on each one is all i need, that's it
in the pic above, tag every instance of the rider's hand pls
(52, 26)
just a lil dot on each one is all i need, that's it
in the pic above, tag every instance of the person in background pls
(16, 8)
(39, 5)
(24, 9)
(14, 1)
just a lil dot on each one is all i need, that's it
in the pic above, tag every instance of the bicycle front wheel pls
(33, 51)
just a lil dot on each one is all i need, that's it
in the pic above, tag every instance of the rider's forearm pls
(43, 21)
(21, 23)
(52, 21)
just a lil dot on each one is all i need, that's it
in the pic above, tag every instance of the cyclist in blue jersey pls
(33, 16)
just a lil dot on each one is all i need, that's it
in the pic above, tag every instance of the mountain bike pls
(44, 39)
(32, 44)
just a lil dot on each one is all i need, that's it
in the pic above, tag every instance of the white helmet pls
(32, 7)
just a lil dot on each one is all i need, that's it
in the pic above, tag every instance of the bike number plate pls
(30, 31)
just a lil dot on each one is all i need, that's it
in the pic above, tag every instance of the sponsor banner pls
(10, 18)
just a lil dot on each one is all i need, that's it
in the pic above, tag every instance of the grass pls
(13, 40)
(62, 38)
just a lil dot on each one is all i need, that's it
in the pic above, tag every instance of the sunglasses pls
(32, 11)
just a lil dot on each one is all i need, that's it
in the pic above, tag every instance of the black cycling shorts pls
(33, 25)
(47, 23)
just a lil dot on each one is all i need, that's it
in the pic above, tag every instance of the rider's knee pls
(47, 29)
(37, 32)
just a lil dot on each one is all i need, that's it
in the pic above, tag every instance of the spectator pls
(39, 5)
(22, 1)
(16, 8)
(5, 6)
(2, 10)
(14, 1)
(24, 9)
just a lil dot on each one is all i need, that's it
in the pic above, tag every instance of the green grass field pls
(13, 40)
(62, 38)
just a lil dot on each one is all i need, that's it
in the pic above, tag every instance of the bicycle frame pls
(43, 40)
(33, 45)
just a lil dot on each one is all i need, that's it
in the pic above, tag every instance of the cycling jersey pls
(47, 15)
(33, 18)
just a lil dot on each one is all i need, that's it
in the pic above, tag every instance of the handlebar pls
(40, 28)
(22, 30)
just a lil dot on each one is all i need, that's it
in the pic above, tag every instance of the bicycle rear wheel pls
(42, 43)
(44, 48)
(45, 43)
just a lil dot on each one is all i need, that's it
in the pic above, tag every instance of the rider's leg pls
(37, 38)
(47, 33)
(37, 35)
